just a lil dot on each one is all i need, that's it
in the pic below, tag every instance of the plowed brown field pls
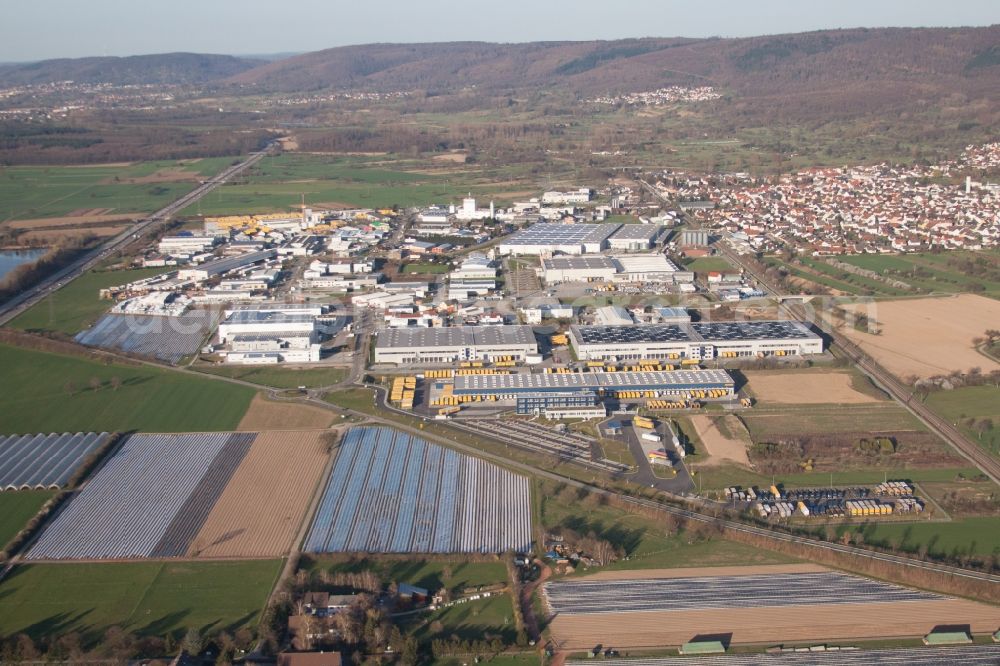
(261, 510)
(763, 625)
(264, 414)
(806, 388)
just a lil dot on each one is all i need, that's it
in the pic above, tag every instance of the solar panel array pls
(751, 330)
(390, 492)
(707, 592)
(593, 335)
(562, 234)
(969, 655)
(149, 500)
(609, 381)
(166, 338)
(721, 331)
(44, 461)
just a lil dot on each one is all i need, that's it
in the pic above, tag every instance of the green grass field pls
(473, 620)
(35, 397)
(967, 536)
(17, 508)
(980, 403)
(425, 269)
(53, 191)
(946, 272)
(875, 417)
(145, 598)
(430, 575)
(708, 264)
(76, 306)
(278, 377)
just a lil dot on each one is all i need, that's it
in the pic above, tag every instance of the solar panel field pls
(754, 605)
(390, 492)
(44, 461)
(166, 338)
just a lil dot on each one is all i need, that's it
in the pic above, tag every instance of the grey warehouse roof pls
(562, 234)
(562, 263)
(699, 332)
(267, 317)
(638, 231)
(455, 336)
(578, 381)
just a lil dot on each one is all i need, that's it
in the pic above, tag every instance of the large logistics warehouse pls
(578, 269)
(702, 340)
(565, 238)
(662, 383)
(634, 237)
(406, 346)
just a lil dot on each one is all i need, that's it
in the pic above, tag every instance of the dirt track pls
(929, 336)
(806, 388)
(262, 508)
(719, 447)
(264, 414)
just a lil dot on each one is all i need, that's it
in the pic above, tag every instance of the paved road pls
(47, 286)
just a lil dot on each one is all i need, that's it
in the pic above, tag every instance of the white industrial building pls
(476, 276)
(580, 195)
(469, 212)
(535, 314)
(701, 340)
(273, 333)
(578, 269)
(186, 244)
(411, 346)
(548, 239)
(635, 237)
(613, 315)
(211, 269)
(650, 268)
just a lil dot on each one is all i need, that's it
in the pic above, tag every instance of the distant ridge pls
(167, 68)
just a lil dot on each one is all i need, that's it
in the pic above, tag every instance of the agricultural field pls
(948, 272)
(77, 305)
(265, 414)
(278, 377)
(195, 495)
(811, 387)
(17, 508)
(376, 181)
(55, 393)
(145, 598)
(433, 575)
(929, 336)
(976, 410)
(428, 500)
(425, 269)
(977, 536)
(750, 605)
(168, 339)
(708, 264)
(45, 461)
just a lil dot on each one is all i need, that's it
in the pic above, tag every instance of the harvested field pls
(70, 220)
(264, 414)
(807, 388)
(720, 447)
(929, 336)
(753, 604)
(688, 572)
(51, 235)
(961, 655)
(261, 510)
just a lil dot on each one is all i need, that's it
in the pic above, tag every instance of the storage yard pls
(807, 388)
(168, 339)
(389, 492)
(929, 336)
(970, 655)
(756, 605)
(43, 462)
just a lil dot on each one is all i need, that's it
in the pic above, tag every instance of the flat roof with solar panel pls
(561, 263)
(752, 330)
(599, 335)
(697, 332)
(455, 336)
(579, 381)
(561, 234)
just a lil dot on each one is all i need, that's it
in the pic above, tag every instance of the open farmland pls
(168, 339)
(146, 598)
(263, 506)
(752, 604)
(45, 462)
(808, 387)
(149, 499)
(17, 508)
(390, 492)
(264, 414)
(965, 655)
(928, 336)
(55, 392)
(730, 446)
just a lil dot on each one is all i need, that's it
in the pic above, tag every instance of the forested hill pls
(166, 68)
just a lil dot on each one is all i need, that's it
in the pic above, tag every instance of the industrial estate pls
(461, 411)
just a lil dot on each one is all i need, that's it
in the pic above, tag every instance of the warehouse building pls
(211, 269)
(458, 343)
(635, 237)
(660, 383)
(613, 315)
(650, 268)
(551, 239)
(578, 269)
(702, 340)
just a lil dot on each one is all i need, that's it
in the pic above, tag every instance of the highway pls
(60, 278)
(882, 377)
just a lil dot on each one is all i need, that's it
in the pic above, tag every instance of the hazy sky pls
(38, 29)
